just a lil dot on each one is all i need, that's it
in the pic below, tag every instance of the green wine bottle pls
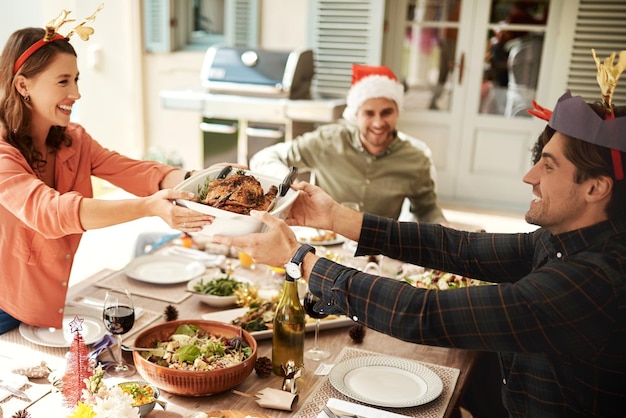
(288, 335)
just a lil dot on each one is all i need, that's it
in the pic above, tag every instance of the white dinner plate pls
(386, 381)
(306, 235)
(92, 329)
(163, 269)
(228, 315)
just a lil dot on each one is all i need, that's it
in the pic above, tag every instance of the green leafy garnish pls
(222, 286)
(186, 353)
(187, 329)
(203, 188)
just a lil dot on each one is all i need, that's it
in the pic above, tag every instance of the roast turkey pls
(238, 193)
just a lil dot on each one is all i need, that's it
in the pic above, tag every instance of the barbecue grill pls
(255, 72)
(260, 94)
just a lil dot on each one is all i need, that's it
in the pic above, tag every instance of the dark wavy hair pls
(15, 112)
(591, 161)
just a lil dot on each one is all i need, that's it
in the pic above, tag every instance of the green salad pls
(192, 348)
(221, 286)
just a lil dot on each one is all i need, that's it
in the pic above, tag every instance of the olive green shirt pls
(347, 172)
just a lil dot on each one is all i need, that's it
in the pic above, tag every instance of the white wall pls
(14, 15)
(284, 24)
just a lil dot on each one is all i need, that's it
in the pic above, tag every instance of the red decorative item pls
(540, 112)
(361, 71)
(78, 368)
(616, 156)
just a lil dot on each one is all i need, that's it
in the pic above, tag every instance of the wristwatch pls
(294, 267)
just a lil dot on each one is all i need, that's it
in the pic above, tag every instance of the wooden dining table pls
(313, 389)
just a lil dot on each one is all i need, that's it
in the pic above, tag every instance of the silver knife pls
(16, 392)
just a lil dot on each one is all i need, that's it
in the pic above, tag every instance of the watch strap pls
(304, 249)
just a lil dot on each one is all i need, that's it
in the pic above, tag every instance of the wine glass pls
(118, 316)
(315, 353)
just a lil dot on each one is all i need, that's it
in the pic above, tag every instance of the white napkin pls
(276, 399)
(360, 410)
(16, 381)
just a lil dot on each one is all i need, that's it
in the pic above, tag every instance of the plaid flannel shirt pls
(556, 316)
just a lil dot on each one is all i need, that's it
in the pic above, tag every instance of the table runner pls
(171, 293)
(434, 409)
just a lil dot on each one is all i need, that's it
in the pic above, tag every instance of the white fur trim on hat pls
(371, 87)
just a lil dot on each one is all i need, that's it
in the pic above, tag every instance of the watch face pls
(293, 270)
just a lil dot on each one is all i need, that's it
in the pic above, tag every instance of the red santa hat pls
(369, 82)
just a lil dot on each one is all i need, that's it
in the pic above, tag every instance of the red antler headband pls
(51, 34)
(573, 117)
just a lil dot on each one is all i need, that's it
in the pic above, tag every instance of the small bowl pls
(214, 300)
(146, 408)
(230, 223)
(188, 382)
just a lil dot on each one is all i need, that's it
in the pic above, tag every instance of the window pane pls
(513, 56)
(208, 22)
(429, 51)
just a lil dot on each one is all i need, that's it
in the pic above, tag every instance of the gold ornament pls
(608, 74)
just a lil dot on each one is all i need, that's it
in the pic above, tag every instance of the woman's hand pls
(99, 213)
(176, 216)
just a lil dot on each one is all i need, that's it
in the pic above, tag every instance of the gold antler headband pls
(52, 34)
(607, 76)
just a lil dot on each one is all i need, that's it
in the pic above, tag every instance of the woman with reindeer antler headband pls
(556, 314)
(46, 164)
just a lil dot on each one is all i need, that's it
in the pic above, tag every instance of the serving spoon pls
(129, 348)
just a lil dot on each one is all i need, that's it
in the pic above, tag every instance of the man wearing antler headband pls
(556, 314)
(46, 164)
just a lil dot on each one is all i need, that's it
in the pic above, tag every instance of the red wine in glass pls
(118, 315)
(119, 319)
(315, 353)
(309, 302)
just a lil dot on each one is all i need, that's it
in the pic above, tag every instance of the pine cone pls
(263, 367)
(171, 313)
(357, 333)
(22, 413)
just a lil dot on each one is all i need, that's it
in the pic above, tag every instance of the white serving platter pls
(228, 315)
(229, 223)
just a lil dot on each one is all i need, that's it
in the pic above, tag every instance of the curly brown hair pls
(15, 112)
(591, 161)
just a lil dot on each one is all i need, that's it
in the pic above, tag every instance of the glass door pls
(471, 69)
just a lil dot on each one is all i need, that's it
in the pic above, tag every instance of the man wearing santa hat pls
(364, 158)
